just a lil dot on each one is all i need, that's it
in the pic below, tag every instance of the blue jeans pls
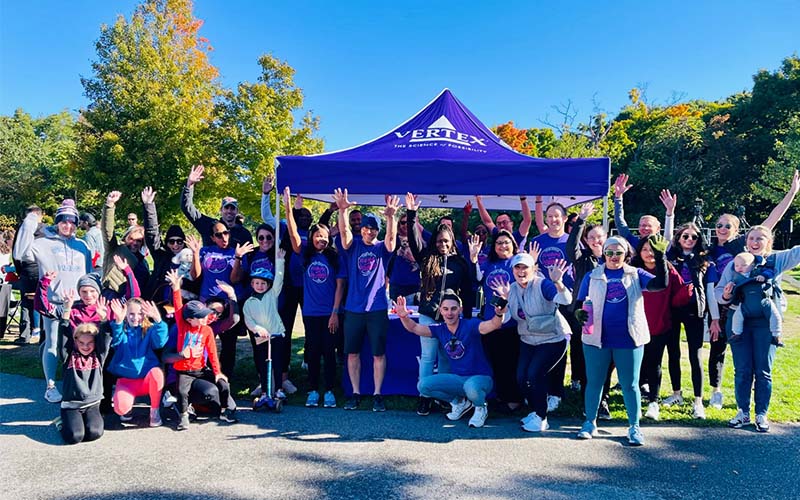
(430, 348)
(753, 355)
(49, 349)
(447, 387)
(628, 363)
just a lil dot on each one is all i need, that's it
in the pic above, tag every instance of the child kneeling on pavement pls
(470, 377)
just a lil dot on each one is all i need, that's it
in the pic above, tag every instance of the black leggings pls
(502, 350)
(320, 345)
(555, 378)
(651, 364)
(202, 384)
(535, 363)
(694, 327)
(260, 352)
(84, 424)
(716, 351)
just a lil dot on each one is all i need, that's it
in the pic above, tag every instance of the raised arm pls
(415, 238)
(107, 226)
(780, 210)
(526, 216)
(408, 323)
(266, 205)
(621, 186)
(152, 233)
(291, 225)
(485, 217)
(573, 249)
(132, 284)
(465, 221)
(344, 204)
(392, 204)
(232, 318)
(539, 214)
(670, 201)
(194, 244)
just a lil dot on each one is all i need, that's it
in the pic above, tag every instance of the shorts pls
(356, 325)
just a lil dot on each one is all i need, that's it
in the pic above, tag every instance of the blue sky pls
(366, 66)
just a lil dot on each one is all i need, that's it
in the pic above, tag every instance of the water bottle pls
(588, 327)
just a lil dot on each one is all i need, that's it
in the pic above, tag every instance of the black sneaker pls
(353, 402)
(228, 415)
(377, 403)
(424, 406)
(603, 413)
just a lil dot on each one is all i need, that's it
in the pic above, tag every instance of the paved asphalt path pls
(305, 453)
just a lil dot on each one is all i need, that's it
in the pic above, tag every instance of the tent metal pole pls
(605, 213)
(277, 213)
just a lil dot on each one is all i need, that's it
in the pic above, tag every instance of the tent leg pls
(278, 197)
(605, 213)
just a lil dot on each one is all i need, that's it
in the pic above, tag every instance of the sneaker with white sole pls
(553, 402)
(740, 420)
(536, 424)
(52, 395)
(652, 411)
(762, 424)
(635, 436)
(716, 400)
(479, 417)
(167, 399)
(588, 431)
(524, 420)
(289, 387)
(313, 399)
(155, 418)
(127, 417)
(329, 400)
(255, 393)
(459, 407)
(603, 412)
(279, 394)
(674, 399)
(699, 411)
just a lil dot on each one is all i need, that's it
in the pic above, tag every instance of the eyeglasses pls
(502, 242)
(612, 253)
(175, 241)
(222, 234)
(692, 237)
(726, 226)
(265, 237)
(403, 222)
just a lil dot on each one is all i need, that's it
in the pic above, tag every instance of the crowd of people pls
(573, 294)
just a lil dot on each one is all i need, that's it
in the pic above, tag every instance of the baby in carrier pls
(750, 268)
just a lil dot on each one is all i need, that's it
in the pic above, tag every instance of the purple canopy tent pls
(445, 155)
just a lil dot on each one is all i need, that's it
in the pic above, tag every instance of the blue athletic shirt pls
(615, 333)
(552, 249)
(493, 270)
(366, 272)
(319, 283)
(464, 348)
(217, 264)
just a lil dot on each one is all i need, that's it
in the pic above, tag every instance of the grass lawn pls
(784, 406)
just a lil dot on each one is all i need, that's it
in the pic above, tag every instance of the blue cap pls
(371, 221)
(195, 309)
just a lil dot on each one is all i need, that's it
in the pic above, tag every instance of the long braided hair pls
(431, 267)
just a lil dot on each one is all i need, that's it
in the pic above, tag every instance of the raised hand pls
(226, 288)
(341, 200)
(118, 309)
(51, 275)
(392, 205)
(242, 249)
(112, 198)
(795, 186)
(287, 199)
(148, 195)
(151, 311)
(70, 297)
(195, 176)
(268, 184)
(102, 308)
(412, 202)
(534, 250)
(669, 201)
(193, 243)
(298, 201)
(281, 254)
(474, 244)
(121, 263)
(621, 185)
(557, 270)
(500, 287)
(400, 307)
(587, 209)
(174, 279)
(467, 208)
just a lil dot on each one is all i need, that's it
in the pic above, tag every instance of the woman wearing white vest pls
(617, 328)
(533, 302)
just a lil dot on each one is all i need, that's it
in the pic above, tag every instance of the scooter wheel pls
(278, 406)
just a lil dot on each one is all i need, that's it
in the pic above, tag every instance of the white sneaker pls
(52, 395)
(459, 407)
(256, 392)
(674, 399)
(289, 387)
(479, 417)
(699, 411)
(167, 400)
(524, 420)
(536, 424)
(155, 418)
(279, 394)
(652, 411)
(716, 400)
(553, 403)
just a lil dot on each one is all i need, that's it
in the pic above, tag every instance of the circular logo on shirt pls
(686, 274)
(455, 349)
(367, 263)
(498, 274)
(615, 291)
(215, 263)
(549, 256)
(318, 272)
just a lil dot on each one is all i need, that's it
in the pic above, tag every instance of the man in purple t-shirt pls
(366, 306)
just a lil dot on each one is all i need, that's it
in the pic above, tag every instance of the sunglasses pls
(403, 222)
(175, 241)
(612, 253)
(265, 237)
(222, 234)
(726, 226)
(692, 237)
